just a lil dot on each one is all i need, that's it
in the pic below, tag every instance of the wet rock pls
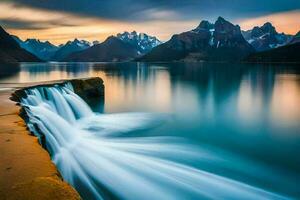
(91, 90)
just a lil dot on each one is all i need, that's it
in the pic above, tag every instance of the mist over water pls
(99, 156)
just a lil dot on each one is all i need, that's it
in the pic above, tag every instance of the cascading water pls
(90, 155)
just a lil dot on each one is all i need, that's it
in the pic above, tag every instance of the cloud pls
(141, 10)
(17, 24)
(14, 15)
(62, 20)
(58, 27)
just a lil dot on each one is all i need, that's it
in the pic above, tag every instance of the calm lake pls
(243, 121)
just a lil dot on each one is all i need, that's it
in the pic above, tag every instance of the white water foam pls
(90, 155)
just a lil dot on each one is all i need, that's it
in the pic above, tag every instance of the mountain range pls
(112, 49)
(286, 53)
(69, 48)
(11, 51)
(266, 37)
(142, 42)
(224, 42)
(43, 50)
(271, 46)
(295, 39)
(123, 47)
(220, 41)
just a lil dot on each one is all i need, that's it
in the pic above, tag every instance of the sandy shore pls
(26, 171)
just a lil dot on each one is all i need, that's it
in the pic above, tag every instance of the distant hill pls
(111, 50)
(69, 48)
(43, 50)
(10, 50)
(142, 42)
(285, 54)
(266, 37)
(221, 41)
(295, 39)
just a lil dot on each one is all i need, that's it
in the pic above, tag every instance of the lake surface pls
(245, 119)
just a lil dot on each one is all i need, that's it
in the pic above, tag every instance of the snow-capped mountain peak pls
(266, 37)
(80, 43)
(143, 42)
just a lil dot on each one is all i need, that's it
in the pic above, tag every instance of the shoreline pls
(27, 171)
(163, 62)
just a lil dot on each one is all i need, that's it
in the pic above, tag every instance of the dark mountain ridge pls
(286, 54)
(43, 50)
(295, 39)
(289, 53)
(221, 41)
(69, 48)
(111, 50)
(266, 37)
(10, 50)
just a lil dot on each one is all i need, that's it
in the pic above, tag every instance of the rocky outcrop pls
(90, 89)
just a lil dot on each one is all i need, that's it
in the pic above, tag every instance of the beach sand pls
(26, 171)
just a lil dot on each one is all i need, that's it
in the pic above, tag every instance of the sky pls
(61, 20)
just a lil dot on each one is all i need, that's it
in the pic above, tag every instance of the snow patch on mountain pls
(266, 37)
(143, 42)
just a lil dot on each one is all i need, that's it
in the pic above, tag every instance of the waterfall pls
(88, 151)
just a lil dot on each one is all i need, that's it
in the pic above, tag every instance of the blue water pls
(240, 123)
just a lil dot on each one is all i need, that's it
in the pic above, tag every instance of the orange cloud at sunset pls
(287, 22)
(59, 26)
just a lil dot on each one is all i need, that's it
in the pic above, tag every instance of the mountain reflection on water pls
(245, 116)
